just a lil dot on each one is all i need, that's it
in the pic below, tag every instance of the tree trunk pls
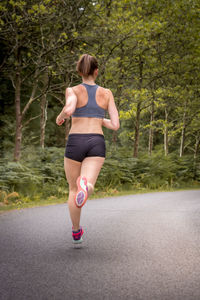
(196, 151)
(18, 133)
(114, 139)
(43, 119)
(182, 140)
(20, 115)
(183, 133)
(197, 146)
(67, 127)
(2, 136)
(166, 141)
(151, 131)
(137, 131)
(137, 122)
(43, 107)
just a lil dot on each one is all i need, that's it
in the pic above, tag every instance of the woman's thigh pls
(90, 168)
(72, 172)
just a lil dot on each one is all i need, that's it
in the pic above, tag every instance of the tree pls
(35, 43)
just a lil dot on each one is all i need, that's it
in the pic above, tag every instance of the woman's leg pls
(90, 168)
(72, 172)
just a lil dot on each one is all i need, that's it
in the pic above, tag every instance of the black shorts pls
(80, 146)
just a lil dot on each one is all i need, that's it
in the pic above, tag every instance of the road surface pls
(137, 247)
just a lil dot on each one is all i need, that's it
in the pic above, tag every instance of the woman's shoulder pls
(105, 92)
(79, 88)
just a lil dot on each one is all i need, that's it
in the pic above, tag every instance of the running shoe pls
(77, 236)
(82, 193)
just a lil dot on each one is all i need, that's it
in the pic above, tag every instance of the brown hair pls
(86, 65)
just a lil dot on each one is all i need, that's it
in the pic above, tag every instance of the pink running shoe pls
(82, 193)
(77, 236)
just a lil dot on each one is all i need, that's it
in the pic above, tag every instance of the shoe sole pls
(81, 195)
(76, 242)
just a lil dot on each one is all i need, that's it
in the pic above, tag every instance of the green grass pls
(110, 193)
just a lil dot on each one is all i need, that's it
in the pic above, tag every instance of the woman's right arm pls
(69, 108)
(113, 122)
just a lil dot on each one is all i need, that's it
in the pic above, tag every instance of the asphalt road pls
(143, 247)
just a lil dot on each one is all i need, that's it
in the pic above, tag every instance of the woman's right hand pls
(59, 121)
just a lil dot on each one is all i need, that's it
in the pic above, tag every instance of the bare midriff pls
(86, 125)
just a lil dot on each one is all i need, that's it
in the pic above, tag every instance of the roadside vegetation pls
(39, 178)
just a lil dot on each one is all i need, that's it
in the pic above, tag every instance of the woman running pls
(85, 149)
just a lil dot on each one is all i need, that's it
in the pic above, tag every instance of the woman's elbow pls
(116, 126)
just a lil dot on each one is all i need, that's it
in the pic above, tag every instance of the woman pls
(85, 149)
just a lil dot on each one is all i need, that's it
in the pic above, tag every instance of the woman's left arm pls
(113, 122)
(69, 108)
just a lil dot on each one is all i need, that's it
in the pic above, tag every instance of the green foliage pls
(15, 175)
(41, 174)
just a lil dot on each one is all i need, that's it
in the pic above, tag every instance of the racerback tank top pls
(91, 109)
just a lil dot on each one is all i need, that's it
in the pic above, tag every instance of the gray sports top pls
(91, 109)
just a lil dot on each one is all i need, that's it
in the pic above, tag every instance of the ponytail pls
(86, 65)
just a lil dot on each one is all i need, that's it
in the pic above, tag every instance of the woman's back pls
(92, 102)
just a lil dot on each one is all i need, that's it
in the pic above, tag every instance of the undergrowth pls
(39, 176)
